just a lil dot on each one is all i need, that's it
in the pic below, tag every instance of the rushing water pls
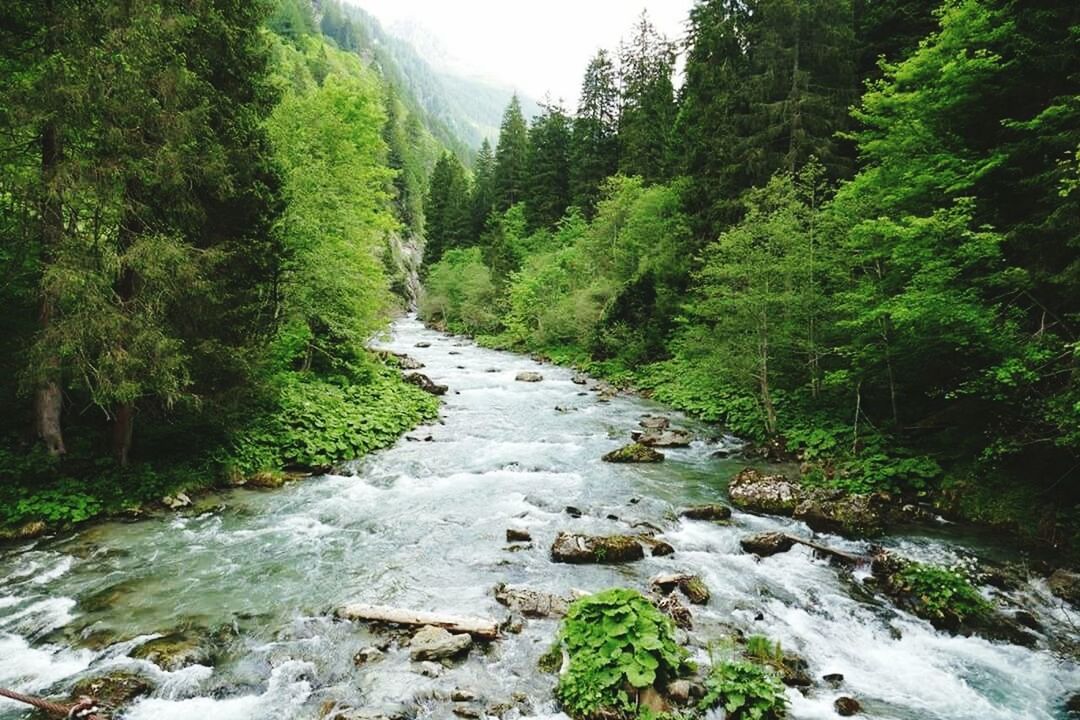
(422, 526)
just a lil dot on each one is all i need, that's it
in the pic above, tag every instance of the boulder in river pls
(590, 549)
(26, 531)
(408, 363)
(713, 511)
(435, 643)
(771, 494)
(423, 344)
(175, 651)
(579, 379)
(517, 535)
(424, 383)
(692, 586)
(847, 706)
(767, 544)
(113, 690)
(1065, 585)
(673, 438)
(529, 377)
(655, 422)
(634, 453)
(838, 512)
(531, 603)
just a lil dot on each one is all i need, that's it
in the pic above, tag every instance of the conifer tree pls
(483, 195)
(594, 145)
(448, 209)
(648, 110)
(548, 167)
(511, 158)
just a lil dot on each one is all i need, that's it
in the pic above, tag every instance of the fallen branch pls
(846, 558)
(477, 627)
(85, 709)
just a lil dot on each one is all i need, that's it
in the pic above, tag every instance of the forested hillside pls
(850, 235)
(208, 210)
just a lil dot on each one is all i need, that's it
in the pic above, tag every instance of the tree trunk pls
(480, 628)
(123, 427)
(49, 400)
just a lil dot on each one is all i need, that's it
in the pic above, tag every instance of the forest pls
(207, 211)
(746, 388)
(851, 234)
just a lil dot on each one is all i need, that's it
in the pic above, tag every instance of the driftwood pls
(840, 555)
(85, 709)
(479, 628)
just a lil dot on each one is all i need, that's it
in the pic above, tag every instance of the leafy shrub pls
(318, 422)
(616, 640)
(746, 690)
(941, 595)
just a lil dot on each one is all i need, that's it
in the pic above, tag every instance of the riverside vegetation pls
(204, 210)
(850, 236)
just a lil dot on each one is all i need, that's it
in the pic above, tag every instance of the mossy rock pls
(594, 549)
(267, 480)
(634, 453)
(175, 651)
(115, 689)
(551, 661)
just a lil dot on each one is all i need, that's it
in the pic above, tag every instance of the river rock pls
(1072, 705)
(531, 603)
(606, 390)
(837, 512)
(26, 531)
(833, 680)
(655, 422)
(847, 706)
(767, 544)
(435, 643)
(176, 502)
(424, 383)
(409, 363)
(579, 379)
(590, 549)
(1065, 585)
(658, 548)
(515, 535)
(706, 512)
(771, 494)
(175, 651)
(423, 344)
(692, 586)
(367, 655)
(674, 438)
(674, 608)
(113, 690)
(634, 453)
(529, 377)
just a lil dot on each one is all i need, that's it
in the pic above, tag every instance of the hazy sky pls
(536, 46)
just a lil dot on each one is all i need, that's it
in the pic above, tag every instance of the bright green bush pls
(940, 594)
(746, 690)
(460, 294)
(616, 640)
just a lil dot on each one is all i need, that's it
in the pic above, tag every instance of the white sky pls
(534, 46)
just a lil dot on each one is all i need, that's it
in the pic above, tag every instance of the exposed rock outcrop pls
(838, 512)
(771, 494)
(434, 643)
(673, 438)
(586, 549)
(532, 603)
(1065, 585)
(634, 453)
(425, 383)
(706, 512)
(692, 586)
(767, 544)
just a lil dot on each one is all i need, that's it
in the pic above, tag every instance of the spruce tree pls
(594, 145)
(483, 195)
(548, 167)
(511, 158)
(648, 103)
(448, 209)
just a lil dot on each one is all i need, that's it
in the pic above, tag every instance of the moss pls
(550, 661)
(634, 453)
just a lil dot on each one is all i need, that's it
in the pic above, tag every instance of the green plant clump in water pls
(616, 640)
(942, 594)
(746, 690)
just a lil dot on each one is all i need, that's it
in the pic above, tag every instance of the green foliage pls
(316, 422)
(746, 691)
(459, 293)
(618, 643)
(941, 594)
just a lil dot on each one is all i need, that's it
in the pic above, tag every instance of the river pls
(422, 525)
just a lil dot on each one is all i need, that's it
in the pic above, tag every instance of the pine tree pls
(483, 195)
(448, 209)
(594, 145)
(648, 109)
(548, 170)
(511, 158)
